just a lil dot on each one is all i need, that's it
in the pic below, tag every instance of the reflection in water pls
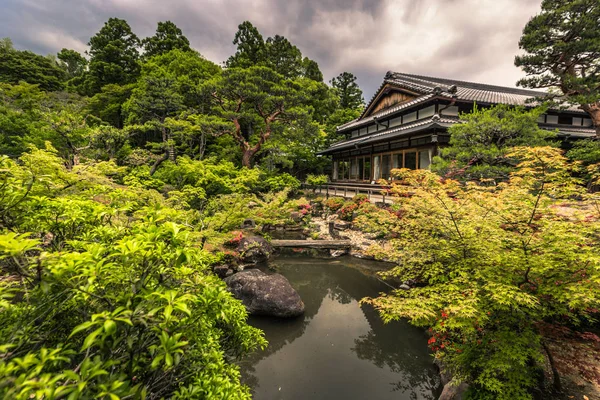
(338, 349)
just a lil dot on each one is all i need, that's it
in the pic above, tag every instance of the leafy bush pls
(212, 176)
(479, 147)
(376, 221)
(347, 210)
(140, 177)
(280, 182)
(317, 179)
(104, 293)
(495, 263)
(334, 203)
(360, 199)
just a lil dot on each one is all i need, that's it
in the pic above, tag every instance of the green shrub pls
(334, 203)
(213, 177)
(360, 199)
(317, 179)
(376, 221)
(140, 177)
(280, 182)
(494, 266)
(106, 292)
(347, 210)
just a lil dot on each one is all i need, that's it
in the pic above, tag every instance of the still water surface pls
(339, 349)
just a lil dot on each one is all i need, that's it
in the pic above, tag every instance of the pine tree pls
(562, 46)
(348, 90)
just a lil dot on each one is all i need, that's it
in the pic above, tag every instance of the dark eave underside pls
(402, 130)
(437, 122)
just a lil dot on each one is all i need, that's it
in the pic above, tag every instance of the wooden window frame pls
(370, 158)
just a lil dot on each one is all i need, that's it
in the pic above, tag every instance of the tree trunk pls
(556, 384)
(247, 156)
(157, 163)
(594, 111)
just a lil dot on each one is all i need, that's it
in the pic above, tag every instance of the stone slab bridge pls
(313, 244)
(375, 193)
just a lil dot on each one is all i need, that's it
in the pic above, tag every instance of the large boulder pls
(254, 250)
(264, 294)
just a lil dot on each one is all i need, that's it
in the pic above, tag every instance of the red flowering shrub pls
(304, 208)
(347, 211)
(237, 236)
(360, 199)
(334, 203)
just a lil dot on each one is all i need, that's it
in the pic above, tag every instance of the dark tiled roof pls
(430, 87)
(470, 91)
(424, 124)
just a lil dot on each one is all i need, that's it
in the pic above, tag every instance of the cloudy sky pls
(463, 39)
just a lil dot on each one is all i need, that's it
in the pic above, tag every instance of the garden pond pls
(339, 349)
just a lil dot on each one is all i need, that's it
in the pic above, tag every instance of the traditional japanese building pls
(408, 119)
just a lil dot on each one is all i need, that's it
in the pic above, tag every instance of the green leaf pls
(110, 326)
(89, 340)
(82, 327)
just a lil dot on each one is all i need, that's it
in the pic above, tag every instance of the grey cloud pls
(463, 39)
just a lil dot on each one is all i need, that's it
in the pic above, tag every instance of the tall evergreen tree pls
(562, 50)
(114, 56)
(311, 70)
(348, 90)
(167, 37)
(284, 57)
(251, 48)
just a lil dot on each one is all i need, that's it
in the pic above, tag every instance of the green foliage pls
(277, 53)
(17, 66)
(479, 147)
(188, 68)
(107, 105)
(20, 116)
(562, 50)
(256, 103)
(167, 37)
(29, 116)
(120, 298)
(348, 91)
(378, 222)
(72, 62)
(491, 264)
(347, 210)
(586, 151)
(114, 57)
(212, 176)
(250, 47)
(334, 203)
(283, 57)
(317, 179)
(157, 106)
(280, 182)
(140, 177)
(154, 98)
(311, 70)
(339, 117)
